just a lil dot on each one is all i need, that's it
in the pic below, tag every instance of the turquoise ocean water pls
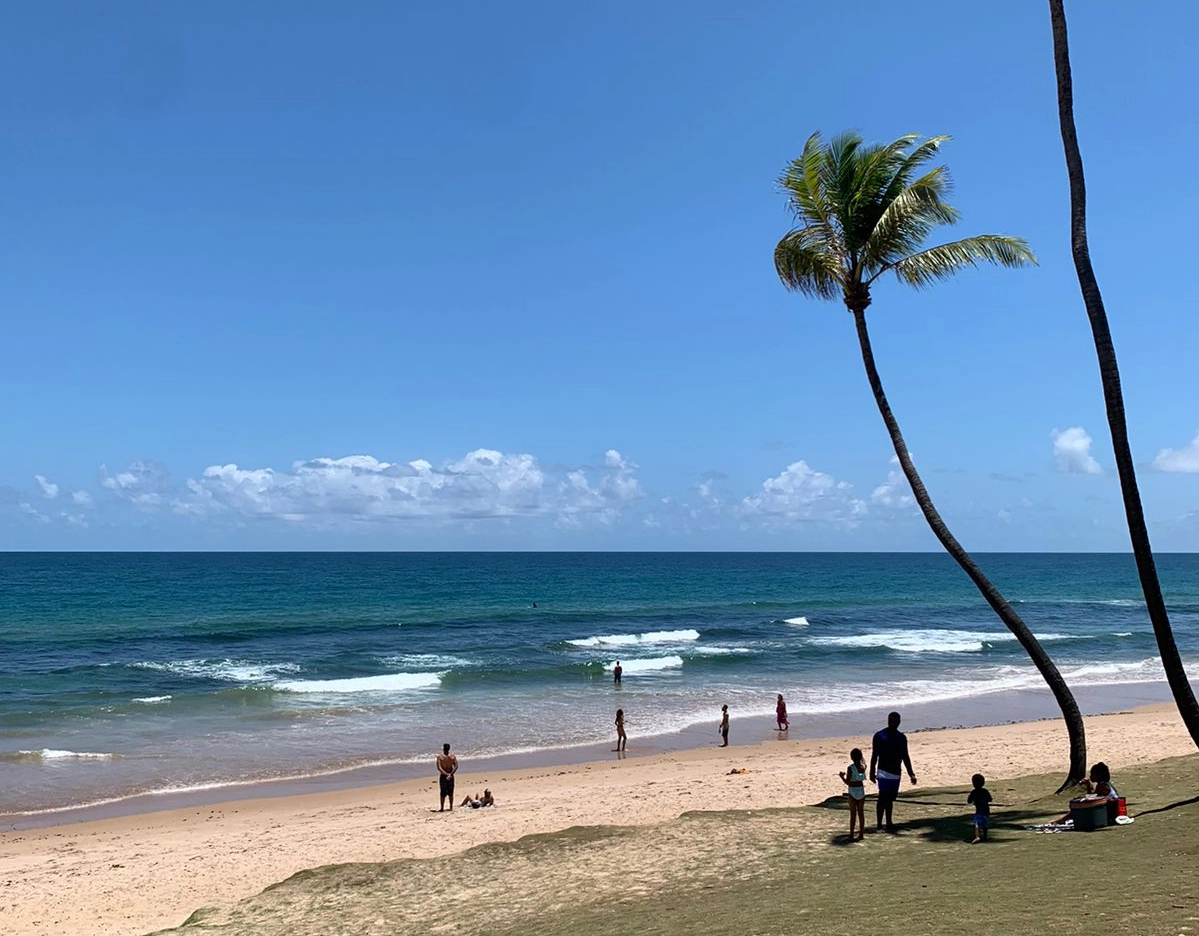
(133, 673)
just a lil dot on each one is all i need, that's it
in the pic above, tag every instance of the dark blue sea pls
(133, 673)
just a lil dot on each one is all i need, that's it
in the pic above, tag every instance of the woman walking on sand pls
(780, 712)
(621, 738)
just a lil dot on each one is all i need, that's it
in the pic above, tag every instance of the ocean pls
(132, 675)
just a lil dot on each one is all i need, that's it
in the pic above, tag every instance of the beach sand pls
(134, 874)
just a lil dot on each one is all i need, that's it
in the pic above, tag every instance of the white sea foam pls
(1099, 674)
(49, 754)
(242, 671)
(388, 682)
(929, 641)
(435, 661)
(800, 621)
(650, 665)
(150, 700)
(717, 651)
(632, 640)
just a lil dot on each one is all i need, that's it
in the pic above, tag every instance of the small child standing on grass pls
(980, 796)
(854, 777)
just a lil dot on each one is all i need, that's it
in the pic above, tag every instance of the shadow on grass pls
(1186, 802)
(952, 821)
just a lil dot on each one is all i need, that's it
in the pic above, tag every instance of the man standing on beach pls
(617, 671)
(889, 755)
(447, 765)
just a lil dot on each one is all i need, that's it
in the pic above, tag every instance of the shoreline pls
(132, 874)
(1018, 706)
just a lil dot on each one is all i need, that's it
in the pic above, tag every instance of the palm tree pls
(1109, 374)
(862, 211)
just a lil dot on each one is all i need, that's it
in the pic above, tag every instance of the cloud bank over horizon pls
(495, 499)
(483, 486)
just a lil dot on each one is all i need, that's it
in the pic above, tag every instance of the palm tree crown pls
(863, 210)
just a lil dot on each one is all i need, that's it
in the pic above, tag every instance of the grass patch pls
(784, 872)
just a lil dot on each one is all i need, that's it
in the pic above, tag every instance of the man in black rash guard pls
(889, 754)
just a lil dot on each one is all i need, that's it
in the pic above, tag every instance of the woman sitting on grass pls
(1099, 783)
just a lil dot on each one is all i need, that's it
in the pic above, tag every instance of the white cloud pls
(49, 488)
(894, 493)
(32, 511)
(1184, 460)
(144, 483)
(799, 494)
(82, 498)
(601, 498)
(1072, 452)
(483, 484)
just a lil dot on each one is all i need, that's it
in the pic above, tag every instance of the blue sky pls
(395, 276)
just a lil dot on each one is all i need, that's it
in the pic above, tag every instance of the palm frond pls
(805, 264)
(807, 196)
(879, 168)
(905, 169)
(907, 220)
(941, 262)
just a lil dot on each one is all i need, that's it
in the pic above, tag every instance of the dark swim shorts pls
(447, 785)
(981, 820)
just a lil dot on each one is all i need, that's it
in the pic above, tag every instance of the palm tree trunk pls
(1113, 395)
(1045, 666)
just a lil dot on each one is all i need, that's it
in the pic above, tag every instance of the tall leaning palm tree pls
(1113, 394)
(862, 211)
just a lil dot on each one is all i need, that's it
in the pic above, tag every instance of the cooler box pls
(1088, 814)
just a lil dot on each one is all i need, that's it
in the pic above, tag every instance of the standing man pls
(617, 671)
(888, 754)
(724, 726)
(447, 766)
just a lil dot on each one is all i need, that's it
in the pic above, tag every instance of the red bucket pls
(1121, 806)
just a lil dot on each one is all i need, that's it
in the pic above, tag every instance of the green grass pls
(785, 871)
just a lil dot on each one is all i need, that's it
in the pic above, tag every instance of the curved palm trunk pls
(1109, 374)
(1047, 668)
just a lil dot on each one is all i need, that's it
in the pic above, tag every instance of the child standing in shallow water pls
(621, 738)
(980, 796)
(854, 777)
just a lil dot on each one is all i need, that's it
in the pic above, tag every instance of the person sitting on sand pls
(478, 802)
